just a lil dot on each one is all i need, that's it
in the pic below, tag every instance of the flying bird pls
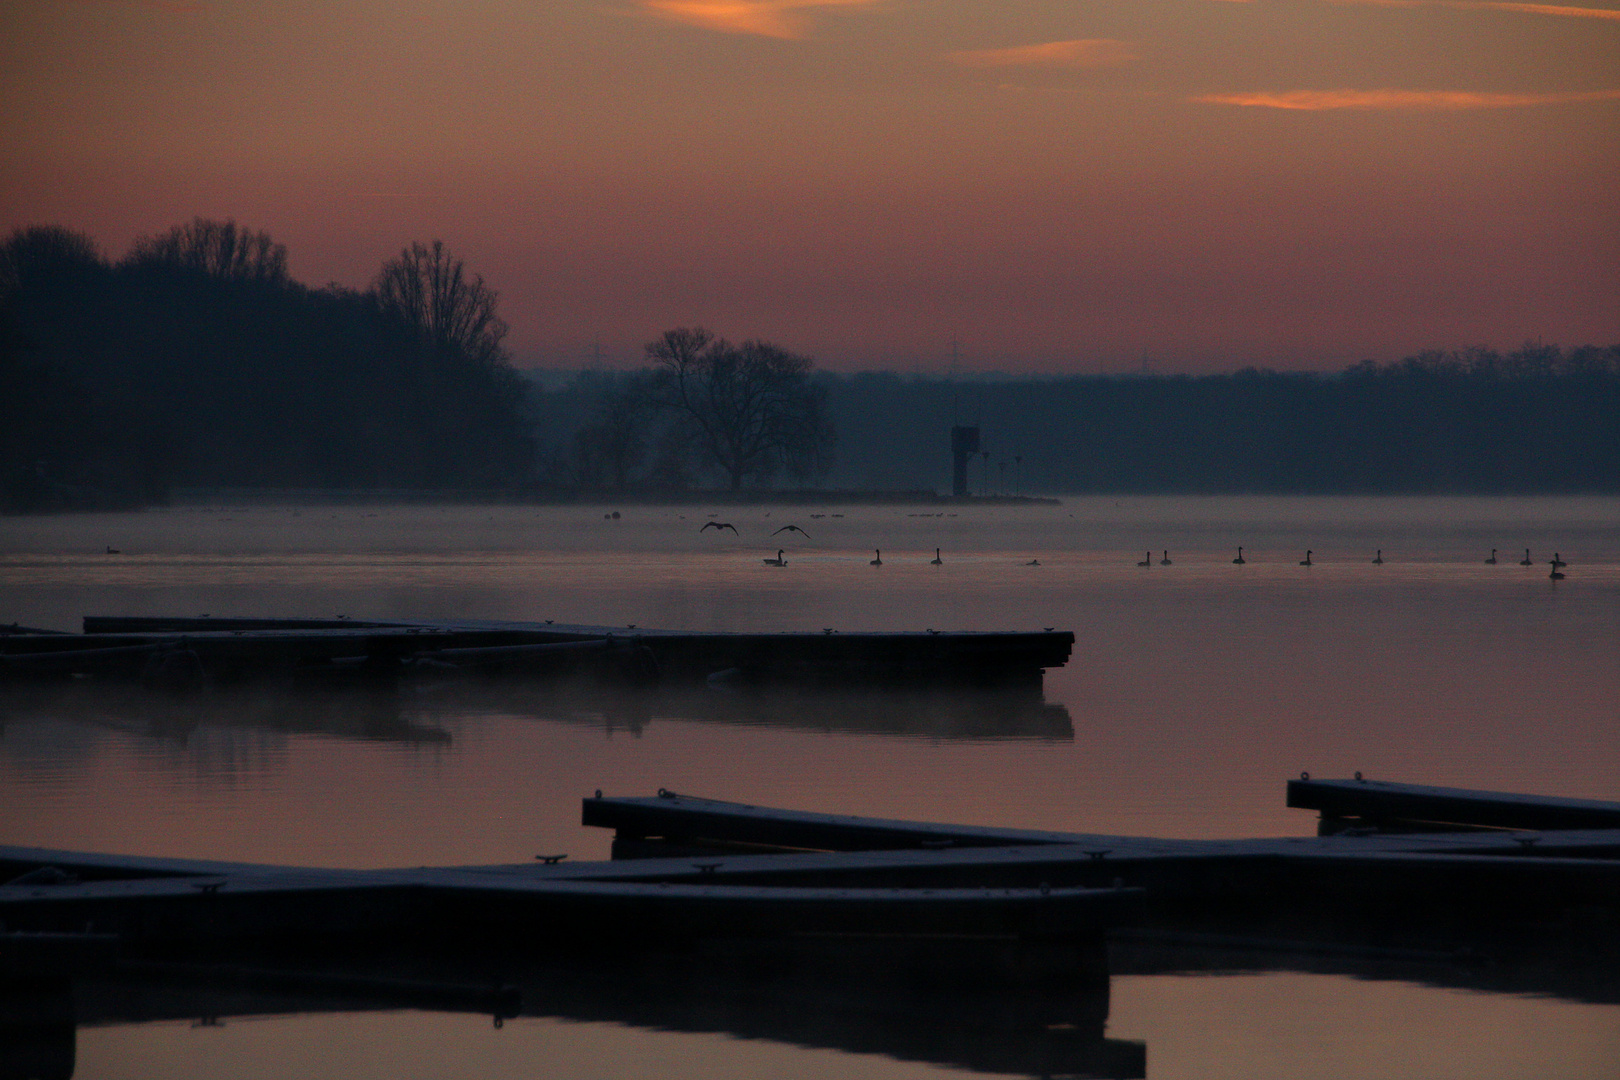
(792, 528)
(717, 525)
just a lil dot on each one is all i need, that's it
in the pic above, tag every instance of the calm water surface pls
(1195, 691)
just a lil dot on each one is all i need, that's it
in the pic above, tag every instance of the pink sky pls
(1058, 186)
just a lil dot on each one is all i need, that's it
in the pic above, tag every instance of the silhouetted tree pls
(752, 407)
(218, 249)
(460, 391)
(453, 313)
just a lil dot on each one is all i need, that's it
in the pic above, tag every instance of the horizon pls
(1044, 190)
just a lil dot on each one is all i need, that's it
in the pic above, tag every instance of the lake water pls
(1195, 691)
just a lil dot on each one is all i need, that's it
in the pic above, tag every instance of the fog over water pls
(1195, 691)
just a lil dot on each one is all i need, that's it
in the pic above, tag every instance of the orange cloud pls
(1082, 53)
(1319, 100)
(1561, 10)
(767, 18)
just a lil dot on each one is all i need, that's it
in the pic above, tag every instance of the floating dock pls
(977, 947)
(690, 868)
(185, 651)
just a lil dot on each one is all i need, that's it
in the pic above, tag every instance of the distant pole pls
(955, 394)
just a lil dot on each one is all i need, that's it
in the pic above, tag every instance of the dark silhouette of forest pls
(1536, 419)
(196, 361)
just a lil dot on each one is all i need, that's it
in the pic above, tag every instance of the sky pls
(1026, 186)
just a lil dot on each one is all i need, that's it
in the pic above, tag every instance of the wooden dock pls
(187, 651)
(970, 946)
(689, 868)
(1353, 880)
(1382, 807)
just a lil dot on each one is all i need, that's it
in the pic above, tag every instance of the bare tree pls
(753, 407)
(452, 312)
(219, 249)
(45, 249)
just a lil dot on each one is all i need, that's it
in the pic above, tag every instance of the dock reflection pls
(991, 1007)
(959, 713)
(1037, 1009)
(1569, 962)
(424, 714)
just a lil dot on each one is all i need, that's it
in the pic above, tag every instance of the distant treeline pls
(196, 360)
(1537, 419)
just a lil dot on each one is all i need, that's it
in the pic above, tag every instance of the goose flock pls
(1557, 562)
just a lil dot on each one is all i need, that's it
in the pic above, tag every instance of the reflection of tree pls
(752, 406)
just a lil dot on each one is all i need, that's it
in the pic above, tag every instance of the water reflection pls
(965, 713)
(1570, 963)
(986, 1006)
(1038, 1009)
(426, 714)
(350, 713)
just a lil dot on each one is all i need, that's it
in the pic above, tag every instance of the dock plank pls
(844, 874)
(1383, 801)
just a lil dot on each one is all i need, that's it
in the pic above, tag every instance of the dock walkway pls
(179, 651)
(686, 867)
